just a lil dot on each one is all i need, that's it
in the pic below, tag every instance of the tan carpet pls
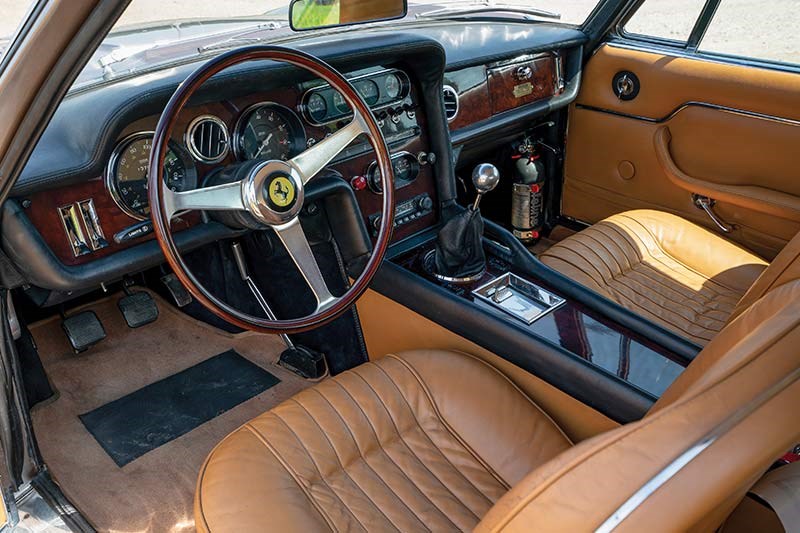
(155, 491)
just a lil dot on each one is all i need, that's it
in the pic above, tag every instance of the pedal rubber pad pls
(303, 361)
(138, 308)
(177, 290)
(83, 330)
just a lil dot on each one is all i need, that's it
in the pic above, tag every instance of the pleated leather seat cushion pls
(662, 267)
(423, 440)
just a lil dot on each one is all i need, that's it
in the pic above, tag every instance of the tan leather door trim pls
(749, 197)
(731, 127)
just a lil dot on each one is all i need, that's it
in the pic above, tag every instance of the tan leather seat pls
(419, 440)
(432, 440)
(669, 270)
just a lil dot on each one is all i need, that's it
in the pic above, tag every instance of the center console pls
(526, 303)
(474, 278)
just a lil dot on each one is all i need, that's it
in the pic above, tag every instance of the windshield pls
(154, 33)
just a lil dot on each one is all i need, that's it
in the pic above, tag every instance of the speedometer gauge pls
(126, 176)
(269, 131)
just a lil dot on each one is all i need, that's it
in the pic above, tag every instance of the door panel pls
(728, 131)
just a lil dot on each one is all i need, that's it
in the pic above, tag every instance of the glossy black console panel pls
(571, 326)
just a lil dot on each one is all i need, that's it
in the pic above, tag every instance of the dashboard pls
(80, 214)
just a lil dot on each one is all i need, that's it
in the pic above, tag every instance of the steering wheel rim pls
(254, 197)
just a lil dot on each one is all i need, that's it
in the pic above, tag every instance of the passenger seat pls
(671, 271)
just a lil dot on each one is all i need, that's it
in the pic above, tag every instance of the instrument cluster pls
(265, 130)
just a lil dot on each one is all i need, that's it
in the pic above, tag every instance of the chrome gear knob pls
(485, 178)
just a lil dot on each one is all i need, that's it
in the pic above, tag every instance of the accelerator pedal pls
(138, 308)
(83, 330)
(177, 290)
(304, 362)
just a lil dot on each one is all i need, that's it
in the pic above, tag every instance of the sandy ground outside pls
(747, 27)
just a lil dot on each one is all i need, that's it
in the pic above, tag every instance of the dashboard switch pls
(358, 183)
(134, 232)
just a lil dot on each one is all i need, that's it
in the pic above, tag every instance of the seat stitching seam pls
(457, 439)
(658, 245)
(641, 261)
(601, 282)
(714, 297)
(341, 464)
(672, 268)
(616, 295)
(676, 303)
(502, 376)
(410, 449)
(446, 425)
(363, 457)
(622, 269)
(389, 457)
(666, 310)
(612, 273)
(264, 442)
(316, 467)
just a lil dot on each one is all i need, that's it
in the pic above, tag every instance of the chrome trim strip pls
(677, 464)
(674, 112)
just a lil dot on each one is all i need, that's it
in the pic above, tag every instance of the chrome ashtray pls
(518, 297)
(429, 264)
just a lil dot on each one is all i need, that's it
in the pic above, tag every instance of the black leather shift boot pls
(459, 250)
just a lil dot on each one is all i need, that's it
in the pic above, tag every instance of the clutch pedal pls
(83, 330)
(138, 308)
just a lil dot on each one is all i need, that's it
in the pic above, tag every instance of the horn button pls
(273, 192)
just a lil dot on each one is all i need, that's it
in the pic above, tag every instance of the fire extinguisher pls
(527, 200)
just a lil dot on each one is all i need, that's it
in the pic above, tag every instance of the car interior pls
(420, 269)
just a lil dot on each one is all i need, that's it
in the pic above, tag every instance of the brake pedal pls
(177, 290)
(83, 330)
(138, 308)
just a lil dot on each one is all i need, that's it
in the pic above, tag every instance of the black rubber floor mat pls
(142, 421)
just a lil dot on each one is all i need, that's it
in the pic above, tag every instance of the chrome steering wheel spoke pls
(311, 161)
(225, 197)
(294, 239)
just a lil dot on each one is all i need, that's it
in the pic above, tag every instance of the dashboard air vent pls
(450, 102)
(207, 139)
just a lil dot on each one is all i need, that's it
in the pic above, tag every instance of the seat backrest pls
(784, 268)
(691, 459)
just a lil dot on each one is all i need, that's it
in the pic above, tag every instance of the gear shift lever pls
(459, 245)
(485, 178)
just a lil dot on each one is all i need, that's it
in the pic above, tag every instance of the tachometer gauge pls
(269, 131)
(126, 175)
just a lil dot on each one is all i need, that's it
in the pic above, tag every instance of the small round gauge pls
(269, 131)
(368, 90)
(339, 103)
(317, 107)
(393, 85)
(126, 176)
(406, 169)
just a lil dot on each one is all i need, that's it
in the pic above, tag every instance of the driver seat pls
(435, 440)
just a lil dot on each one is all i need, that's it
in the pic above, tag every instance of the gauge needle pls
(264, 144)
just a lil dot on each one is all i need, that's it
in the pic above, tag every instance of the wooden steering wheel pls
(272, 191)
